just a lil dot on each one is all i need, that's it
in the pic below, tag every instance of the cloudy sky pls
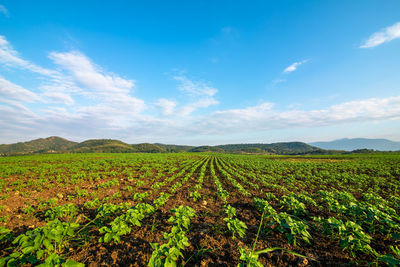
(199, 72)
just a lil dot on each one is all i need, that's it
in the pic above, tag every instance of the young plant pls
(195, 195)
(5, 234)
(41, 243)
(122, 225)
(169, 253)
(234, 224)
(64, 211)
(249, 257)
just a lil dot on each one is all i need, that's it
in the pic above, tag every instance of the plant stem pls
(258, 232)
(86, 225)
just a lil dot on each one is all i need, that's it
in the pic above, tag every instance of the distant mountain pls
(207, 149)
(149, 148)
(175, 148)
(41, 145)
(359, 143)
(102, 146)
(288, 148)
(114, 146)
(59, 145)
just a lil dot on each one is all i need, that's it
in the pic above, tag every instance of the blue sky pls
(199, 72)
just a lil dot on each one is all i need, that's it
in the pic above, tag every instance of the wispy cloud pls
(194, 88)
(201, 95)
(107, 87)
(11, 91)
(4, 10)
(93, 122)
(88, 74)
(277, 81)
(294, 66)
(204, 102)
(166, 106)
(9, 57)
(101, 94)
(59, 97)
(383, 36)
(264, 117)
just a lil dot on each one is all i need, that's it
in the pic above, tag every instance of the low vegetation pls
(199, 209)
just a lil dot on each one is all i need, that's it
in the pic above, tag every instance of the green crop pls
(195, 195)
(292, 204)
(122, 225)
(168, 254)
(42, 243)
(65, 211)
(350, 235)
(5, 234)
(234, 224)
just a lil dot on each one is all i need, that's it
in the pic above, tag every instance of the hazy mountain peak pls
(350, 144)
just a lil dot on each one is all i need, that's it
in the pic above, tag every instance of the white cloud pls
(277, 81)
(10, 58)
(294, 66)
(110, 88)
(194, 88)
(4, 10)
(201, 95)
(105, 100)
(108, 122)
(201, 103)
(166, 106)
(263, 117)
(11, 91)
(385, 35)
(60, 97)
(88, 74)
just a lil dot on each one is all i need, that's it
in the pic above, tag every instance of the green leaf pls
(390, 260)
(28, 250)
(48, 244)
(15, 254)
(107, 237)
(72, 263)
(39, 254)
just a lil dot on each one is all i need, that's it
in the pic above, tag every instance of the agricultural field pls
(199, 210)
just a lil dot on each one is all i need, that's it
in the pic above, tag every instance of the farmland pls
(199, 209)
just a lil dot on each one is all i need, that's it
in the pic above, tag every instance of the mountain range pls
(56, 144)
(359, 143)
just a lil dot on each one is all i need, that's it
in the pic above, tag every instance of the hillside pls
(274, 148)
(41, 145)
(174, 148)
(60, 145)
(148, 148)
(359, 143)
(102, 146)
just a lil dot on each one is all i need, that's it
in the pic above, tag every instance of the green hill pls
(174, 148)
(59, 145)
(149, 148)
(102, 146)
(207, 149)
(288, 148)
(42, 145)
